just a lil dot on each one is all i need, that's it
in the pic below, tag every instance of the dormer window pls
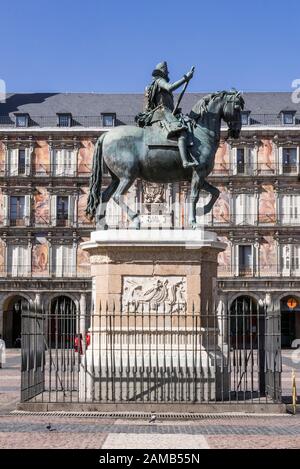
(108, 120)
(22, 120)
(64, 119)
(288, 117)
(245, 118)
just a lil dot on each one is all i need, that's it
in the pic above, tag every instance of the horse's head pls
(233, 104)
(227, 105)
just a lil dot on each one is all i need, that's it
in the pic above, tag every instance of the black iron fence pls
(150, 353)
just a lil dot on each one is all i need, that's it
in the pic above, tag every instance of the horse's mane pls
(201, 106)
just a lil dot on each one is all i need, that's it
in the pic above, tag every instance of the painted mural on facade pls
(2, 157)
(221, 210)
(83, 260)
(41, 206)
(268, 257)
(85, 157)
(2, 258)
(266, 157)
(41, 157)
(267, 205)
(222, 159)
(224, 258)
(40, 256)
(1, 207)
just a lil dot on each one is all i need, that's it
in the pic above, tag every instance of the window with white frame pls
(288, 117)
(289, 160)
(64, 162)
(64, 260)
(290, 254)
(289, 208)
(18, 161)
(245, 209)
(19, 210)
(245, 259)
(63, 210)
(18, 260)
(242, 160)
(202, 219)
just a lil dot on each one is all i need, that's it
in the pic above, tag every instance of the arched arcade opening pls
(12, 320)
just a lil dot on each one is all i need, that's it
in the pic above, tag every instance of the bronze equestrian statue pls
(132, 152)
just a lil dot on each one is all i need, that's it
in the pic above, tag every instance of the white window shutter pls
(27, 209)
(53, 209)
(5, 209)
(239, 208)
(73, 257)
(28, 151)
(296, 255)
(58, 162)
(71, 208)
(285, 259)
(280, 160)
(13, 163)
(58, 260)
(15, 261)
(234, 160)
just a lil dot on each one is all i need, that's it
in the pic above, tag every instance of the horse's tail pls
(95, 179)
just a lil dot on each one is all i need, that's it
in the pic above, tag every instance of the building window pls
(289, 209)
(108, 120)
(290, 265)
(22, 120)
(245, 118)
(64, 120)
(18, 261)
(288, 118)
(17, 210)
(64, 162)
(245, 209)
(21, 161)
(289, 160)
(63, 261)
(240, 160)
(245, 260)
(62, 210)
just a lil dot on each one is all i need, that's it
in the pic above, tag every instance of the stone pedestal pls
(155, 290)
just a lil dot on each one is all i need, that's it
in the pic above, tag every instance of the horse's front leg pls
(194, 197)
(123, 187)
(104, 199)
(214, 196)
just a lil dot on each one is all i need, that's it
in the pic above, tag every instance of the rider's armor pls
(160, 105)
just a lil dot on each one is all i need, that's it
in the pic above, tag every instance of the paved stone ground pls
(30, 431)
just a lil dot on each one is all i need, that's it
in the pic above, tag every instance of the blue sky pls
(113, 45)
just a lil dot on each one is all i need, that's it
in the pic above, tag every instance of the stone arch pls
(246, 322)
(62, 321)
(11, 306)
(252, 295)
(290, 318)
(48, 299)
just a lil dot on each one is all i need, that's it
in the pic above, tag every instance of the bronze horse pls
(128, 157)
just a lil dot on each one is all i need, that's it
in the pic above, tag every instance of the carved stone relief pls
(158, 293)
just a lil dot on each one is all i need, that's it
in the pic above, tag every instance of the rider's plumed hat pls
(161, 70)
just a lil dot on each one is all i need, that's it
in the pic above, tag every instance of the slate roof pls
(126, 104)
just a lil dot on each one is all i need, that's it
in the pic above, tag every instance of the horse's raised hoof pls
(136, 224)
(193, 225)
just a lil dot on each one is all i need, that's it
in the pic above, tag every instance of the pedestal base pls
(154, 334)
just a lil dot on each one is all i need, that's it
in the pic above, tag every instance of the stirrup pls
(189, 164)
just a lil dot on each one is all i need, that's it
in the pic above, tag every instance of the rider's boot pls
(182, 146)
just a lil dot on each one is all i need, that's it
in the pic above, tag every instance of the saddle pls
(155, 136)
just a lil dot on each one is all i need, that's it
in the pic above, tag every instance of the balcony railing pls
(75, 121)
(128, 119)
(25, 271)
